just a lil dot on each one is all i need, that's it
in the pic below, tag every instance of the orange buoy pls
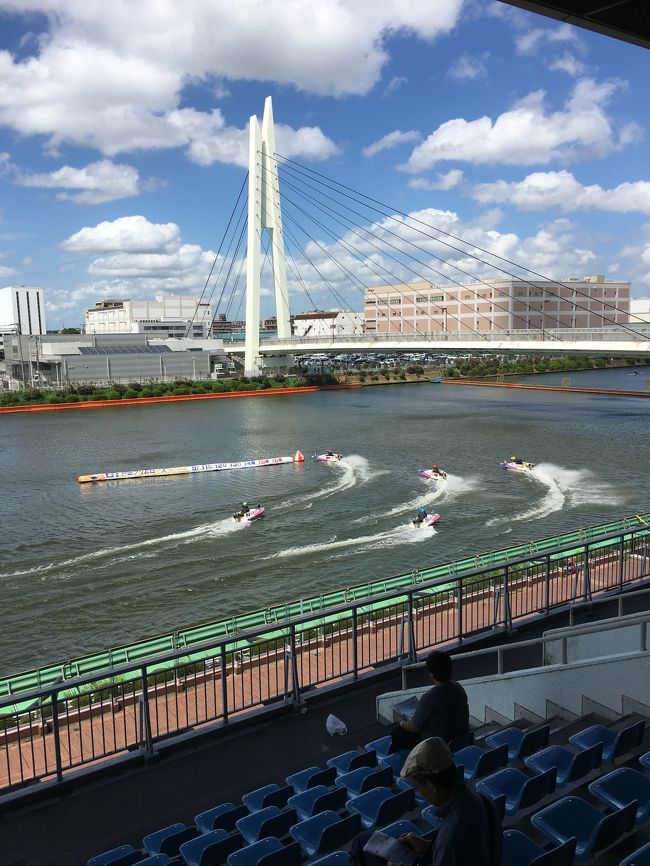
(298, 457)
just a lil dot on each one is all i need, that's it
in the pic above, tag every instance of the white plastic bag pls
(335, 726)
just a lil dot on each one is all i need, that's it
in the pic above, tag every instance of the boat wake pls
(353, 470)
(565, 488)
(407, 534)
(452, 486)
(206, 530)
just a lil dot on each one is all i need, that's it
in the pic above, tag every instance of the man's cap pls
(430, 756)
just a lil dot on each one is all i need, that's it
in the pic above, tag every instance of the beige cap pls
(429, 756)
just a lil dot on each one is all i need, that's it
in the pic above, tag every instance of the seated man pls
(516, 460)
(470, 832)
(442, 712)
(244, 508)
(329, 452)
(422, 513)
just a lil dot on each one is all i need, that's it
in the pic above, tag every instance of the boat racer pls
(516, 460)
(329, 452)
(422, 513)
(441, 472)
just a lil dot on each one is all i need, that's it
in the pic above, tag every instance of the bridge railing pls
(48, 733)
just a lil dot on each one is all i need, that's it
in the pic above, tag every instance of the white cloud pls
(568, 63)
(533, 40)
(131, 234)
(96, 82)
(98, 182)
(528, 134)
(394, 85)
(560, 189)
(448, 180)
(468, 68)
(392, 139)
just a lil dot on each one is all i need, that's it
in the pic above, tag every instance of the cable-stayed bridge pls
(321, 237)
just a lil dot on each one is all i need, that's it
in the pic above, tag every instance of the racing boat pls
(440, 475)
(251, 514)
(328, 458)
(429, 520)
(517, 467)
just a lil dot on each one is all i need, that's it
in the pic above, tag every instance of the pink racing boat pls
(517, 467)
(434, 476)
(429, 520)
(251, 514)
(328, 458)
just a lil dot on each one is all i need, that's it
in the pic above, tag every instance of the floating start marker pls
(189, 470)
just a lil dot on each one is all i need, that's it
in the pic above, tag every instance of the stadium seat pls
(318, 799)
(266, 852)
(615, 743)
(407, 785)
(380, 806)
(644, 760)
(324, 832)
(399, 828)
(156, 860)
(519, 850)
(477, 763)
(364, 779)
(380, 747)
(394, 761)
(338, 858)
(570, 766)
(269, 795)
(520, 790)
(461, 742)
(640, 857)
(221, 817)
(311, 777)
(169, 839)
(267, 822)
(430, 815)
(108, 858)
(351, 761)
(573, 817)
(621, 787)
(521, 743)
(192, 852)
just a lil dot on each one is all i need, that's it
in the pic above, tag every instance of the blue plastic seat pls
(570, 766)
(311, 777)
(477, 763)
(644, 760)
(407, 785)
(380, 806)
(430, 815)
(364, 779)
(217, 850)
(521, 743)
(520, 790)
(114, 855)
(169, 839)
(380, 747)
(573, 817)
(251, 855)
(399, 828)
(324, 832)
(267, 822)
(192, 852)
(269, 795)
(615, 743)
(351, 761)
(156, 860)
(519, 850)
(338, 858)
(318, 799)
(461, 742)
(621, 787)
(223, 817)
(394, 761)
(640, 857)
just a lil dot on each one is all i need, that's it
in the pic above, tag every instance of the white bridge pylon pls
(264, 212)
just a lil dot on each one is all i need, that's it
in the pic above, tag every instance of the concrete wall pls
(608, 642)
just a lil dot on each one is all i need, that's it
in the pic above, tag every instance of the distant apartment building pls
(497, 305)
(327, 323)
(168, 315)
(22, 310)
(640, 310)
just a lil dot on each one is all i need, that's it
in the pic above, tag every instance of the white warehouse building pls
(22, 310)
(168, 315)
(327, 323)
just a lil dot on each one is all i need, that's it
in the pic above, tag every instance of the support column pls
(253, 256)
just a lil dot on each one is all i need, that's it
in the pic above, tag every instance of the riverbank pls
(569, 389)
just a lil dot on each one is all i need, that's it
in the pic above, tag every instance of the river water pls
(90, 566)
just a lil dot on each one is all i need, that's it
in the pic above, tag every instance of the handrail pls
(641, 619)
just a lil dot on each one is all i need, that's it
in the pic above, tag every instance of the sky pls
(124, 142)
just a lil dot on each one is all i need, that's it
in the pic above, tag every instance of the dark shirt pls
(470, 832)
(443, 712)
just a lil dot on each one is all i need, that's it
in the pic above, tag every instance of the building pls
(327, 323)
(89, 359)
(497, 305)
(640, 310)
(22, 310)
(168, 315)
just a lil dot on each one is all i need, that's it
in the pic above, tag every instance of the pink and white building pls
(496, 305)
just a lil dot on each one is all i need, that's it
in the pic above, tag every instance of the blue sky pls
(123, 140)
